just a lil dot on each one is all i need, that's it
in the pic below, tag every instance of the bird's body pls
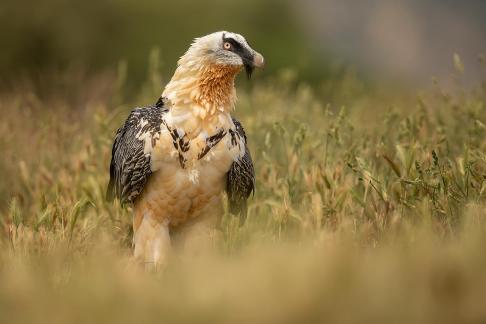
(174, 160)
(188, 180)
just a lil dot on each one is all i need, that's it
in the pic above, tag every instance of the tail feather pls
(239, 208)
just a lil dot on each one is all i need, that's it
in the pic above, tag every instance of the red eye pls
(227, 46)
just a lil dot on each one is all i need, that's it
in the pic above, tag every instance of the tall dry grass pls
(370, 207)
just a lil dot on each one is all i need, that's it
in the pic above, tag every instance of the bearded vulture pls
(173, 160)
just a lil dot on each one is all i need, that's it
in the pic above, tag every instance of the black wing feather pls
(130, 166)
(240, 180)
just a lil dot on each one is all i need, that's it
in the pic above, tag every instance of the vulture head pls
(222, 49)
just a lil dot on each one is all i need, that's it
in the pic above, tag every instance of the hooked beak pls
(257, 60)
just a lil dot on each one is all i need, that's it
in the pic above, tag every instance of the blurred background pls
(402, 41)
(371, 179)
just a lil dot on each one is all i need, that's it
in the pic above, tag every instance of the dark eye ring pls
(227, 46)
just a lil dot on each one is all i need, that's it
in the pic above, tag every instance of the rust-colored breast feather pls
(216, 86)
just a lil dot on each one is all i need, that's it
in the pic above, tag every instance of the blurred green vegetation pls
(95, 35)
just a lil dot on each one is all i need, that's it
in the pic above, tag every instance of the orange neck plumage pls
(216, 87)
(205, 91)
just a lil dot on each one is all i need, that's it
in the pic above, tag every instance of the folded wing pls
(130, 165)
(240, 180)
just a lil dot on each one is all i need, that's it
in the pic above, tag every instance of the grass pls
(370, 208)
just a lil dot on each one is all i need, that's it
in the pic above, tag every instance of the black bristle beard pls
(249, 70)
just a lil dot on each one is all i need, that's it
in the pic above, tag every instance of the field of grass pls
(370, 207)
